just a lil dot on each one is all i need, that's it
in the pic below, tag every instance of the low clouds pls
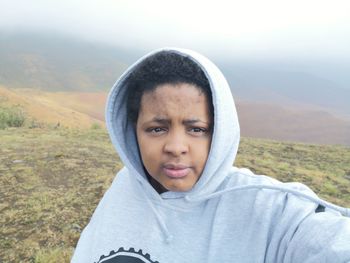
(242, 28)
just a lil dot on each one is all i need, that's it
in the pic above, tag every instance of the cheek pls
(149, 153)
(204, 148)
(204, 154)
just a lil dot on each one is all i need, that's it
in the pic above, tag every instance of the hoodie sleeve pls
(84, 245)
(321, 237)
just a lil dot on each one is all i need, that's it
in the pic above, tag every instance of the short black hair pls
(163, 68)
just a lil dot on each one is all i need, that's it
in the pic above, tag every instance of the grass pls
(52, 179)
(324, 168)
(11, 117)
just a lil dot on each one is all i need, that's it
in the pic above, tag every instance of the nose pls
(176, 145)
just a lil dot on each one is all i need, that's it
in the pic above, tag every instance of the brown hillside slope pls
(90, 103)
(44, 107)
(258, 120)
(310, 125)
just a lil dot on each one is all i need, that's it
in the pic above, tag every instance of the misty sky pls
(295, 28)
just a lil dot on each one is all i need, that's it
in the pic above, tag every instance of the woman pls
(172, 119)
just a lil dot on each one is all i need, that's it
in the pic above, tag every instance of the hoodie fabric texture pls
(230, 215)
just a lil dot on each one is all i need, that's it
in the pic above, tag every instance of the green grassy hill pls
(52, 179)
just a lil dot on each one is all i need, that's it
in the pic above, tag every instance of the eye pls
(198, 131)
(156, 130)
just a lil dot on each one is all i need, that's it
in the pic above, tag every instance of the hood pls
(225, 138)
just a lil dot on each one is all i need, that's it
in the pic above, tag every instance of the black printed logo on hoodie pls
(126, 256)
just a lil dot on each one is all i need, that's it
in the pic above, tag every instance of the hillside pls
(324, 84)
(64, 80)
(58, 63)
(52, 179)
(298, 124)
(270, 121)
(67, 109)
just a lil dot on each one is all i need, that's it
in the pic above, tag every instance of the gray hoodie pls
(230, 215)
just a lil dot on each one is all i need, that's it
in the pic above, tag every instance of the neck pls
(155, 184)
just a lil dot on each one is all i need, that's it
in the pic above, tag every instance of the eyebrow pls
(162, 120)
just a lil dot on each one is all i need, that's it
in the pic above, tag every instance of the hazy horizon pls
(63, 62)
(311, 30)
(285, 93)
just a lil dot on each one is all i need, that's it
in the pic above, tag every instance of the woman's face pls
(174, 135)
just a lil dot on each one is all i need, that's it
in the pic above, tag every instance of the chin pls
(179, 188)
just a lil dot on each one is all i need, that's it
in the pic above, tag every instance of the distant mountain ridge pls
(57, 63)
(61, 63)
(285, 86)
(272, 102)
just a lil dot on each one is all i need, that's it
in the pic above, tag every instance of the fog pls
(241, 29)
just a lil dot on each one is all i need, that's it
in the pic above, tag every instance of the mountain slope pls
(64, 63)
(82, 109)
(44, 108)
(57, 63)
(281, 84)
(271, 121)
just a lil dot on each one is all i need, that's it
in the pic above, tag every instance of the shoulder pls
(321, 237)
(287, 198)
(244, 177)
(303, 233)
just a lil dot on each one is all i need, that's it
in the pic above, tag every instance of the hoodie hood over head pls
(225, 137)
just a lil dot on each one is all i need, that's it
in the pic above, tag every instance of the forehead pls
(175, 98)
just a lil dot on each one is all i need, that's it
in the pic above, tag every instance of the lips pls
(176, 170)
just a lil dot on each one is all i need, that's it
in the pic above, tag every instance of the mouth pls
(176, 170)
